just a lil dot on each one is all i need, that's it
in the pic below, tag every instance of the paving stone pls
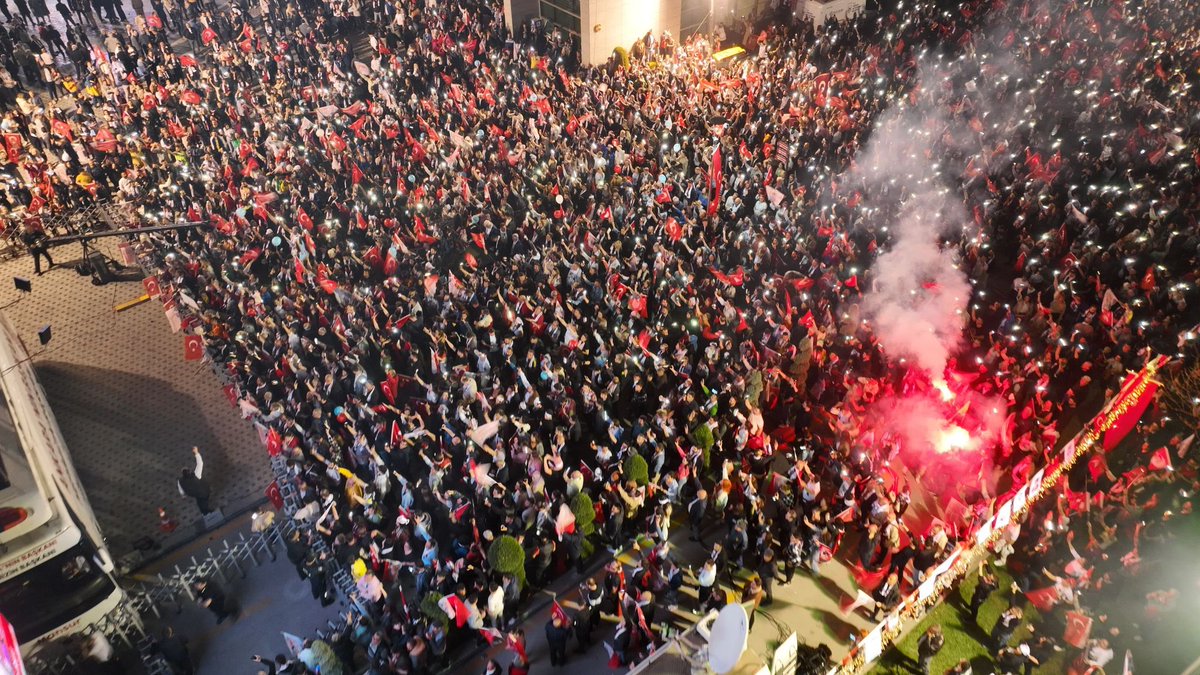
(129, 406)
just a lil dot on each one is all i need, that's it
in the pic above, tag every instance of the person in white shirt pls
(191, 484)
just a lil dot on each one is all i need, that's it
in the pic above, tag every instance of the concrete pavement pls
(129, 407)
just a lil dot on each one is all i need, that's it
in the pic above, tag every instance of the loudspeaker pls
(101, 272)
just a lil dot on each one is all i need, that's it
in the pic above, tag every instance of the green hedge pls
(585, 513)
(507, 557)
(702, 436)
(637, 470)
(585, 522)
(433, 612)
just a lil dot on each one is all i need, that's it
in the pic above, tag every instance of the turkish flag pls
(328, 285)
(638, 306)
(716, 175)
(274, 443)
(208, 35)
(193, 347)
(188, 61)
(453, 606)
(674, 231)
(1079, 628)
(1148, 281)
(390, 264)
(12, 147)
(356, 174)
(334, 142)
(274, 495)
(190, 97)
(303, 219)
(1160, 460)
(104, 141)
(557, 612)
(735, 279)
(1043, 598)
(514, 645)
(151, 286)
(62, 129)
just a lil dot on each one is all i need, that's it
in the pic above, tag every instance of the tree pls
(585, 520)
(637, 470)
(507, 557)
(702, 436)
(1180, 394)
(433, 611)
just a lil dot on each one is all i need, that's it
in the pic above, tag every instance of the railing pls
(122, 626)
(947, 575)
(343, 582)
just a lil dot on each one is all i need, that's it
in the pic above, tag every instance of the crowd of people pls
(462, 279)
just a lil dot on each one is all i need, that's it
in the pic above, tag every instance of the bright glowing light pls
(951, 439)
(943, 390)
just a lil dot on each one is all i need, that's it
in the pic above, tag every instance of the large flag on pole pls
(715, 175)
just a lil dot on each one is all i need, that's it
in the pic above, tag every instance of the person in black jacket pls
(984, 588)
(297, 552)
(175, 652)
(191, 482)
(34, 238)
(928, 646)
(887, 595)
(557, 635)
(1005, 626)
(696, 510)
(212, 597)
(317, 569)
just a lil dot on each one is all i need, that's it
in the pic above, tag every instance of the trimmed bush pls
(431, 610)
(585, 513)
(585, 522)
(637, 470)
(507, 557)
(702, 436)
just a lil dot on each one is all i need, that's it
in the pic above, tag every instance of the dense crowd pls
(462, 280)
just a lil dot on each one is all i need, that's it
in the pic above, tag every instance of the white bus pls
(56, 576)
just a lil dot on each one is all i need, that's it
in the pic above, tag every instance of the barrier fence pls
(162, 593)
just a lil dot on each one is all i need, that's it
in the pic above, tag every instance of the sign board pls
(872, 644)
(10, 650)
(784, 660)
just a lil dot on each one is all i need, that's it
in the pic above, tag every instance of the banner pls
(1136, 395)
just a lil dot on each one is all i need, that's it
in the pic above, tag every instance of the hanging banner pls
(1136, 395)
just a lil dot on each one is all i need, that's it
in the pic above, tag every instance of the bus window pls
(53, 593)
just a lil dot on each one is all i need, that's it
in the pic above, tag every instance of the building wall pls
(517, 12)
(821, 11)
(693, 19)
(607, 24)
